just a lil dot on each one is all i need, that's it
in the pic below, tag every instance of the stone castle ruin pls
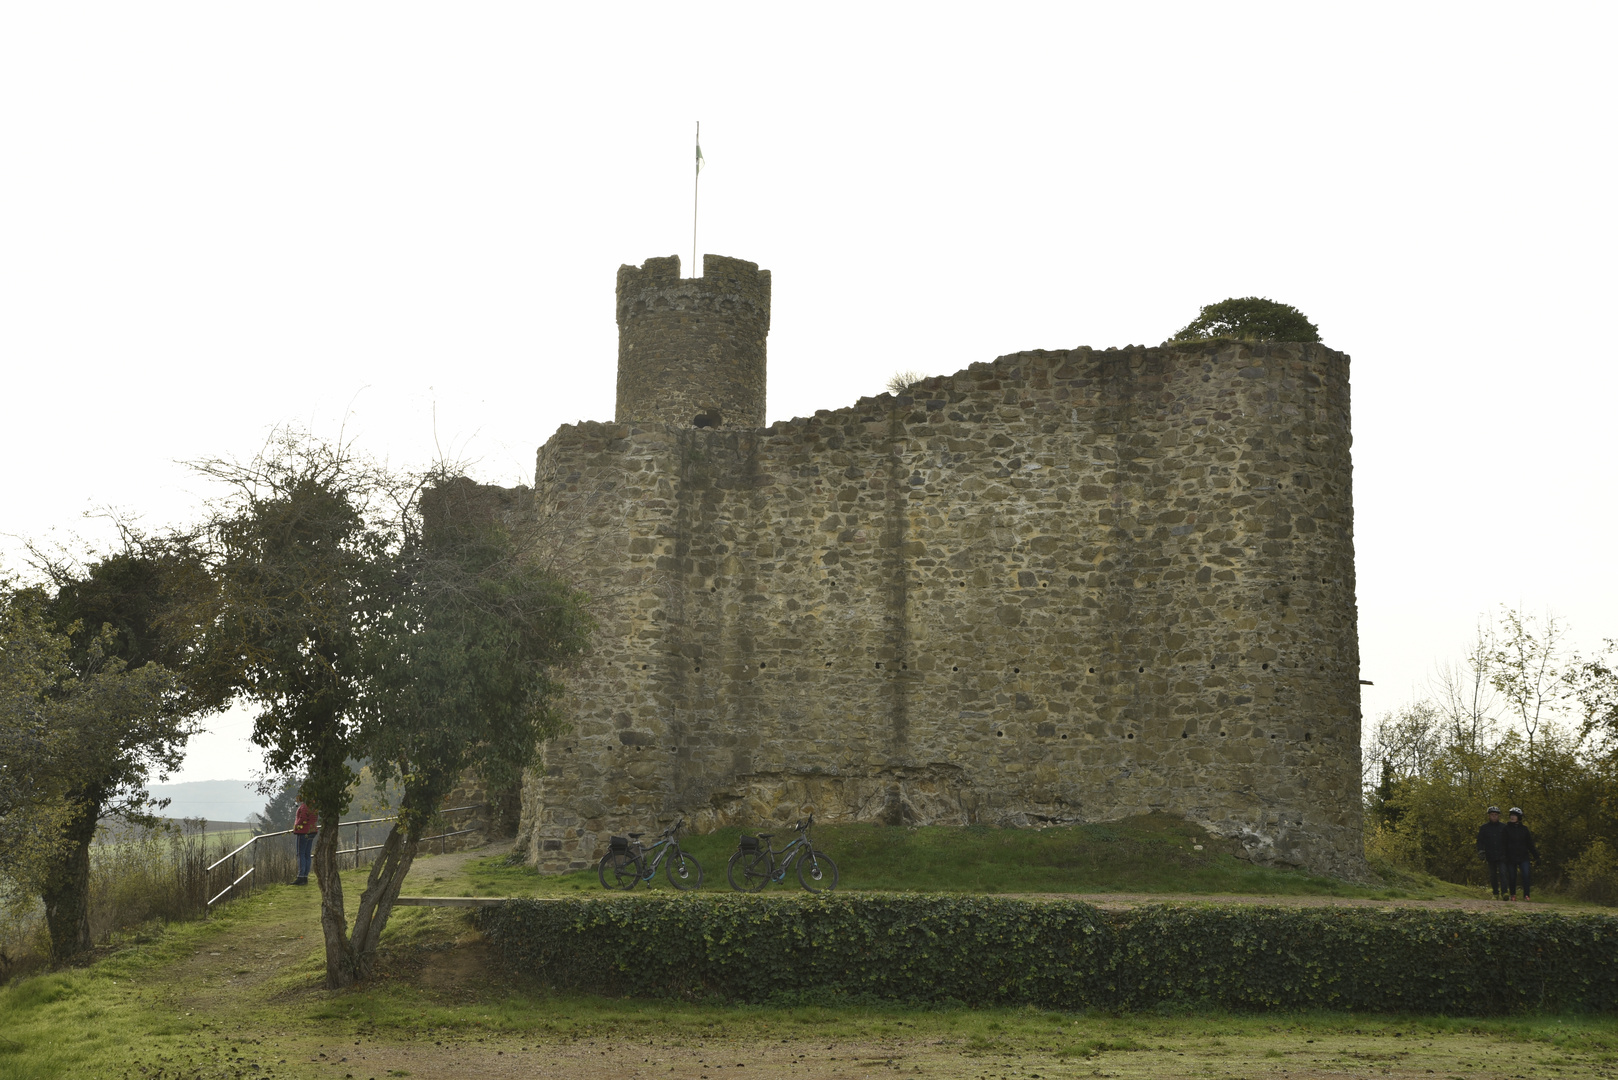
(1063, 586)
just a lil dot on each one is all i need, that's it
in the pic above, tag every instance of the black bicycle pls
(628, 862)
(755, 863)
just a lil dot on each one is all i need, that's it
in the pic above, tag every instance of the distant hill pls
(216, 800)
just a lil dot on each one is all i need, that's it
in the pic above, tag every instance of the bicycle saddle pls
(765, 835)
(635, 835)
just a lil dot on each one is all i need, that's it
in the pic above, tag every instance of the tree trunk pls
(381, 890)
(67, 887)
(340, 967)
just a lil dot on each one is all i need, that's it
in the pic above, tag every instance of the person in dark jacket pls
(1519, 845)
(1492, 846)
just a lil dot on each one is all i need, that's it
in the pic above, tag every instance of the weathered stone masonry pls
(1062, 586)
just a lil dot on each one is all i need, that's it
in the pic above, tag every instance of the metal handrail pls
(233, 884)
(251, 840)
(356, 849)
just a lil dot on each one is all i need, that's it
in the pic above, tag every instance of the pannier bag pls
(749, 843)
(620, 843)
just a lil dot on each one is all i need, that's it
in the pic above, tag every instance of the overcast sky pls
(406, 219)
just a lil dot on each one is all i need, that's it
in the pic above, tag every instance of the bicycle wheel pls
(619, 870)
(748, 871)
(683, 871)
(817, 873)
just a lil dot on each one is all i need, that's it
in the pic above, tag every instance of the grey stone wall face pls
(690, 346)
(1059, 587)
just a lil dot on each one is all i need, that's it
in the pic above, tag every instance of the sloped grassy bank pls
(1061, 954)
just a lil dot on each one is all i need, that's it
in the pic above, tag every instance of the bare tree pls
(1525, 666)
(900, 381)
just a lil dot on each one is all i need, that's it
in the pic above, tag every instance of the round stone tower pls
(691, 350)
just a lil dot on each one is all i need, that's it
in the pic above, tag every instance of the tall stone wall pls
(1063, 586)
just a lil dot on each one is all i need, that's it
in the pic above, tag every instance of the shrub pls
(1595, 874)
(984, 951)
(1250, 318)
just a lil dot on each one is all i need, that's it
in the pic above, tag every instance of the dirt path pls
(1122, 901)
(1477, 1058)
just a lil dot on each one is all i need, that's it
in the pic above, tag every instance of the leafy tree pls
(1593, 684)
(404, 621)
(302, 547)
(1249, 318)
(34, 747)
(82, 732)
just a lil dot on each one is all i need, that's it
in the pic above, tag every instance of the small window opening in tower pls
(709, 417)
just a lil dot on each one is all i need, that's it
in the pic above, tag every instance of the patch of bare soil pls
(652, 1059)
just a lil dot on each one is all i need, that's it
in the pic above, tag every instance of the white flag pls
(699, 157)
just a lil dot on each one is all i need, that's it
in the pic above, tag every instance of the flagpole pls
(696, 182)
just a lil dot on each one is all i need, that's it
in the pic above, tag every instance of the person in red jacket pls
(305, 824)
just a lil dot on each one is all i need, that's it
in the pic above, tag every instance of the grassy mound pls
(1156, 853)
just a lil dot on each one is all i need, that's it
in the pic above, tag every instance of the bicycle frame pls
(787, 856)
(652, 861)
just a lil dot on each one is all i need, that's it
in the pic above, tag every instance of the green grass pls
(1156, 853)
(179, 1002)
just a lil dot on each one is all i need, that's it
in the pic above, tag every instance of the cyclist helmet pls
(1494, 809)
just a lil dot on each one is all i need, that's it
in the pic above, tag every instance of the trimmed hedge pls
(976, 950)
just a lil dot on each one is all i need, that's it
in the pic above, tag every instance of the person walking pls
(1492, 846)
(305, 824)
(1520, 848)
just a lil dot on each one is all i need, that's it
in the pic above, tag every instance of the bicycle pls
(628, 862)
(754, 865)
